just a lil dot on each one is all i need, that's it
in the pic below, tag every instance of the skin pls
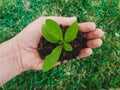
(20, 53)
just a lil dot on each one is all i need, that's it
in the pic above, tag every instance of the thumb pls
(65, 21)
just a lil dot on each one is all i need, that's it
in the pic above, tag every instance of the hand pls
(27, 40)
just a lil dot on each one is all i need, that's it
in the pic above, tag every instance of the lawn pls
(99, 71)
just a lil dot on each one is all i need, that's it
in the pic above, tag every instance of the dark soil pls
(45, 47)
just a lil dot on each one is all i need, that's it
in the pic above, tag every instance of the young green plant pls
(52, 32)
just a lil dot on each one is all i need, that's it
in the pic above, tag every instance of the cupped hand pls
(27, 40)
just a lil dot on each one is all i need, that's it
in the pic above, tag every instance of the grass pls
(99, 71)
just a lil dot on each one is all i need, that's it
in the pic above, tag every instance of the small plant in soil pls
(59, 41)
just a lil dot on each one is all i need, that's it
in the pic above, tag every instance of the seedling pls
(52, 32)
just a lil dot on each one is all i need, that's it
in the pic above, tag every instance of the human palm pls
(29, 38)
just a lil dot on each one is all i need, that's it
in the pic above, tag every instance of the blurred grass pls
(99, 71)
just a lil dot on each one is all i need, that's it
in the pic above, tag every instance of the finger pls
(97, 33)
(58, 63)
(37, 66)
(87, 26)
(37, 63)
(65, 21)
(84, 53)
(94, 43)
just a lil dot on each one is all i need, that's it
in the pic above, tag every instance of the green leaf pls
(51, 31)
(68, 47)
(47, 35)
(52, 59)
(71, 32)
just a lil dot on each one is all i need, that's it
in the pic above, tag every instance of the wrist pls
(10, 60)
(10, 52)
(16, 56)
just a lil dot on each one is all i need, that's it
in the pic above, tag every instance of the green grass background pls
(99, 71)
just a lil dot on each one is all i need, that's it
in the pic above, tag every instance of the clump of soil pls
(45, 47)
